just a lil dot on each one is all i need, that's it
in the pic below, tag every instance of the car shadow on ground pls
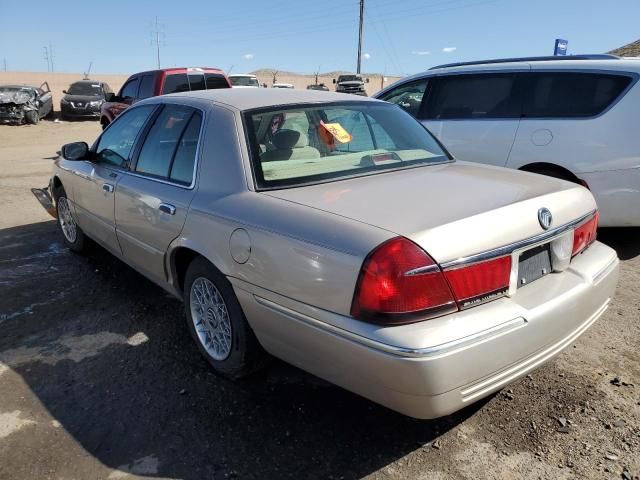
(625, 241)
(107, 354)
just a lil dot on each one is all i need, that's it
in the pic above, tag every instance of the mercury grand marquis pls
(339, 235)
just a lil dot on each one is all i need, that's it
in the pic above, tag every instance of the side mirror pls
(334, 80)
(367, 80)
(64, 91)
(75, 151)
(109, 97)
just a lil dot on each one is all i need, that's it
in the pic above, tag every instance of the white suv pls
(575, 118)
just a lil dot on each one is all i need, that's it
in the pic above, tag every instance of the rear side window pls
(176, 82)
(185, 157)
(473, 97)
(130, 89)
(408, 96)
(196, 81)
(164, 144)
(146, 87)
(215, 80)
(558, 94)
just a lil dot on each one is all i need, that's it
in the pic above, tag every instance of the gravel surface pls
(99, 379)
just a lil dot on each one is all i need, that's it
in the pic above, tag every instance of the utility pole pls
(4, 60)
(51, 55)
(360, 35)
(156, 39)
(46, 58)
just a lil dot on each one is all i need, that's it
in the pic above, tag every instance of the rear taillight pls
(400, 283)
(480, 282)
(585, 234)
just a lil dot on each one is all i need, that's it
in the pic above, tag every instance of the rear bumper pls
(436, 367)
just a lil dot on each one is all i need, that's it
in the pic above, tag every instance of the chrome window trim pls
(517, 246)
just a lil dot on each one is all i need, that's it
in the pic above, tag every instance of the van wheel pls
(73, 235)
(31, 117)
(217, 324)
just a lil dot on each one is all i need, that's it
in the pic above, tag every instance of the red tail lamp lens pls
(585, 234)
(400, 283)
(480, 282)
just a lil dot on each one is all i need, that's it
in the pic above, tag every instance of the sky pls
(400, 36)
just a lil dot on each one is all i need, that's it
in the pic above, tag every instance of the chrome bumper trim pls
(436, 350)
(519, 245)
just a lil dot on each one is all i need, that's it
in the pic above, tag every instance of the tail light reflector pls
(400, 283)
(585, 234)
(480, 282)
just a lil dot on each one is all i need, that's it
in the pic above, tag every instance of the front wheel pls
(73, 235)
(217, 324)
(31, 117)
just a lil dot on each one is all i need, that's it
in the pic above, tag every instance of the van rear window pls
(560, 94)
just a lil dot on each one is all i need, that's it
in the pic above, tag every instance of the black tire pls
(32, 117)
(246, 355)
(78, 242)
(550, 172)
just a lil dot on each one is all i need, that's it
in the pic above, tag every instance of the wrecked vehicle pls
(25, 104)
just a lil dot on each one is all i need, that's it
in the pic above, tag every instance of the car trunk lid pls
(452, 210)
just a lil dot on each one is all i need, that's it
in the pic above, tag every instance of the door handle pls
(167, 208)
(107, 187)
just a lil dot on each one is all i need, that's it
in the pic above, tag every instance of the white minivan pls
(575, 117)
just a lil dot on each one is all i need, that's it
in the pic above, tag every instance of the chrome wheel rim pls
(67, 223)
(210, 318)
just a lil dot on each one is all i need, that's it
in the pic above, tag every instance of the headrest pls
(285, 139)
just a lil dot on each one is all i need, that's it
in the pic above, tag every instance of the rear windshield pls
(307, 144)
(180, 82)
(244, 81)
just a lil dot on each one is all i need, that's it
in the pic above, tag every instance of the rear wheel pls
(73, 235)
(31, 117)
(217, 324)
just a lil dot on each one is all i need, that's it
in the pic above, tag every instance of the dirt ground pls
(99, 379)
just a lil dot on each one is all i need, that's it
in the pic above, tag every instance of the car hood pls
(452, 210)
(82, 98)
(18, 98)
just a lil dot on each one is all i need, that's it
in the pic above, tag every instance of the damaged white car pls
(25, 104)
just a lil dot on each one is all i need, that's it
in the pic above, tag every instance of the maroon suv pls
(159, 82)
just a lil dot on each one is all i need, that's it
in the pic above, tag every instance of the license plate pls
(533, 265)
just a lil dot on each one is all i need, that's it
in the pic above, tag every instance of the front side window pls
(461, 97)
(115, 144)
(310, 144)
(408, 96)
(146, 87)
(560, 94)
(169, 149)
(130, 89)
(175, 82)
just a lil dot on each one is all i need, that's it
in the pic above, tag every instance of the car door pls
(152, 200)
(45, 100)
(95, 180)
(475, 115)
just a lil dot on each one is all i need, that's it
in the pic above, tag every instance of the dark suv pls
(160, 82)
(84, 99)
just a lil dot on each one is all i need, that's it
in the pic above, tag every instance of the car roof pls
(241, 75)
(247, 98)
(86, 80)
(180, 70)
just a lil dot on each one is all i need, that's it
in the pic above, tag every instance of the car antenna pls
(86, 74)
